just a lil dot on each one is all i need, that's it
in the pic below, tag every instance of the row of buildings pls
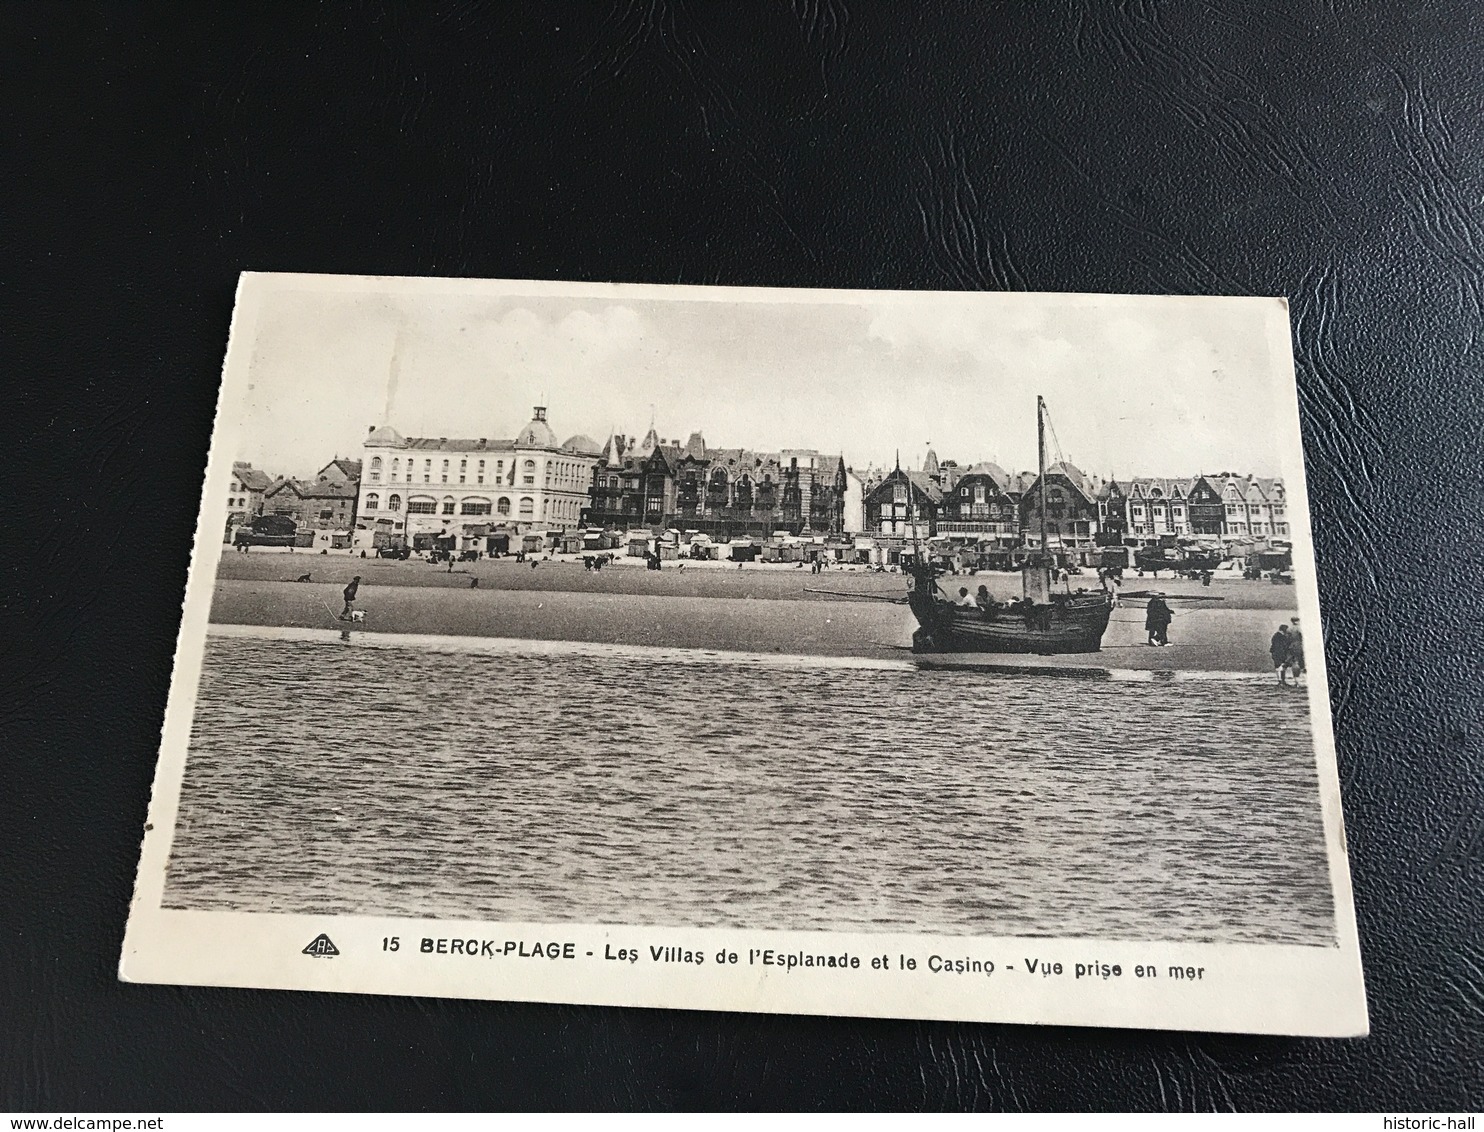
(1002, 511)
(479, 493)
(328, 501)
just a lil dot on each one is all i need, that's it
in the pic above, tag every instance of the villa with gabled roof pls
(1227, 506)
(722, 492)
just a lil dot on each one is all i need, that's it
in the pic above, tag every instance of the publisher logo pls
(321, 947)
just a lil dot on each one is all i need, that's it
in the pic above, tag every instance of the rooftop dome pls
(385, 436)
(537, 433)
(585, 445)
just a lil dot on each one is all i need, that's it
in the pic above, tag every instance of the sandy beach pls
(759, 609)
(756, 580)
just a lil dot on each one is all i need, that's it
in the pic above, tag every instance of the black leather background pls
(1328, 151)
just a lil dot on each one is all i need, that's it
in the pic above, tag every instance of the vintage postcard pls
(924, 655)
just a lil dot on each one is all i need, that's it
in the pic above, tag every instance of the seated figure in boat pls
(1036, 616)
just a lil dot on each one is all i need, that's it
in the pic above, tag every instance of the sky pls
(1133, 386)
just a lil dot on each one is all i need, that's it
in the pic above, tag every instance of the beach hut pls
(595, 538)
(743, 550)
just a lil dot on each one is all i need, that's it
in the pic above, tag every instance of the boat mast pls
(1041, 468)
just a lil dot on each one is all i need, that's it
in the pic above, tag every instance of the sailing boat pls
(1041, 622)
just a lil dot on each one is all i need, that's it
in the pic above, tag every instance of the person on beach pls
(1295, 649)
(1157, 620)
(1278, 650)
(350, 597)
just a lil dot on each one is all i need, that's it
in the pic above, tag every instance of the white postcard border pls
(1268, 988)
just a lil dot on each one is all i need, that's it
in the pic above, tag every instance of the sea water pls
(514, 780)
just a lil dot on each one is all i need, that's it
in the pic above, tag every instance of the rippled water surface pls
(507, 781)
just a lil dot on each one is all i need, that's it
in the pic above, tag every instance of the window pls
(979, 493)
(394, 503)
(422, 507)
(475, 507)
(373, 501)
(530, 473)
(427, 471)
(448, 505)
(327, 514)
(527, 506)
(481, 471)
(503, 506)
(396, 467)
(376, 469)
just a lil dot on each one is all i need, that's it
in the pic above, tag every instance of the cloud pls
(1134, 385)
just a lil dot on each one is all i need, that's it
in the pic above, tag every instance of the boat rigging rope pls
(1061, 457)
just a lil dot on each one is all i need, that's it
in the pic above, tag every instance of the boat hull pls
(1075, 625)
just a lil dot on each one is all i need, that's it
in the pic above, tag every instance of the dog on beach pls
(302, 578)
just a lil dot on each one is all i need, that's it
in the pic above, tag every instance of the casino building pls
(471, 490)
